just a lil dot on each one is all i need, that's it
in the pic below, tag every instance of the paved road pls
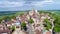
(29, 30)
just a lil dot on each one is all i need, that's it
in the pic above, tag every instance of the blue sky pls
(16, 5)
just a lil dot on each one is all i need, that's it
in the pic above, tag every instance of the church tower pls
(33, 11)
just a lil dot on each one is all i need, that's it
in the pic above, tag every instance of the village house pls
(4, 29)
(37, 26)
(38, 22)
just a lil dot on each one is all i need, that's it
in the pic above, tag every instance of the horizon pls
(29, 10)
(18, 5)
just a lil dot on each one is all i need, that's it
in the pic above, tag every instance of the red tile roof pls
(38, 32)
(48, 32)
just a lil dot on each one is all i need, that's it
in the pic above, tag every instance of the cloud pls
(42, 3)
(28, 4)
(11, 4)
(15, 3)
(37, 3)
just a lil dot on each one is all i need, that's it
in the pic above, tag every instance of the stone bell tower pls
(33, 11)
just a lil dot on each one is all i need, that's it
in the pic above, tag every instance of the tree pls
(0, 20)
(6, 18)
(57, 24)
(48, 24)
(12, 16)
(12, 28)
(21, 14)
(57, 29)
(31, 21)
(23, 26)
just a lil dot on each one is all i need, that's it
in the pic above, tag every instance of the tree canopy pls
(23, 24)
(48, 24)
(31, 21)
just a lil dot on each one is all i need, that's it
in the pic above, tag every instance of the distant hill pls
(2, 13)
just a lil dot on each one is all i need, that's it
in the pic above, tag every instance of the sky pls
(17, 5)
